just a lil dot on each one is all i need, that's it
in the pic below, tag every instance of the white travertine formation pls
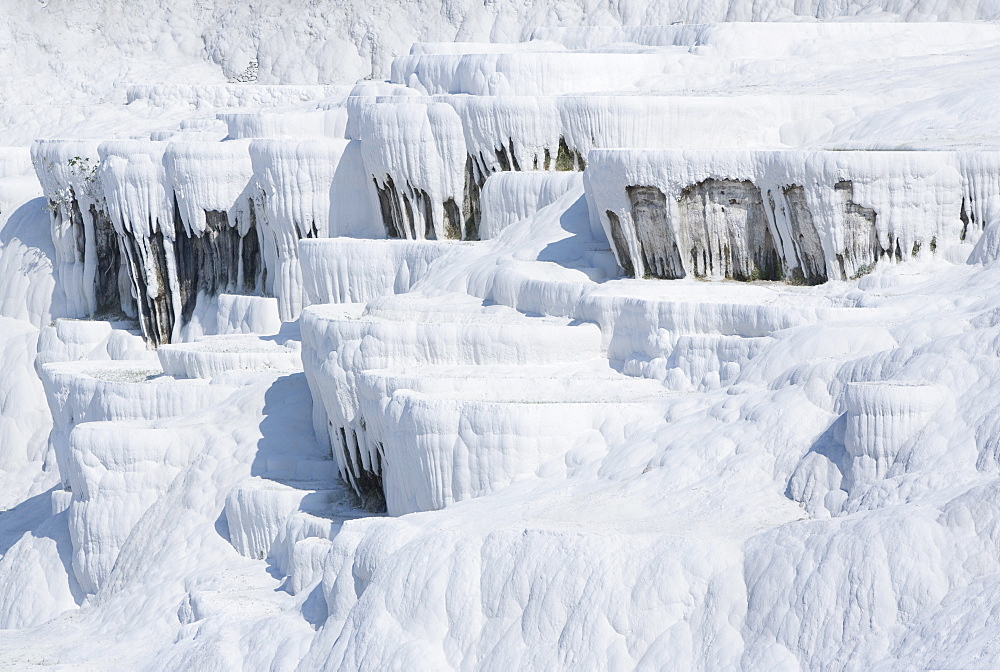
(67, 171)
(227, 95)
(308, 189)
(362, 383)
(508, 197)
(881, 418)
(314, 123)
(357, 270)
(213, 355)
(806, 216)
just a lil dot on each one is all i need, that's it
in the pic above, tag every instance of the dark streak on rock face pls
(475, 177)
(406, 210)
(112, 298)
(156, 312)
(967, 217)
(620, 246)
(427, 211)
(725, 229)
(861, 244)
(108, 281)
(409, 213)
(502, 159)
(366, 482)
(805, 239)
(389, 207)
(569, 159)
(657, 244)
(479, 167)
(79, 232)
(408, 224)
(219, 260)
(453, 220)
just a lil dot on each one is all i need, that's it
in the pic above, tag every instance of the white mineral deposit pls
(500, 336)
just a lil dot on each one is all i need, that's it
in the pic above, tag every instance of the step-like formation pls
(521, 393)
(602, 256)
(191, 230)
(881, 418)
(153, 228)
(214, 355)
(215, 96)
(144, 226)
(357, 270)
(444, 440)
(802, 217)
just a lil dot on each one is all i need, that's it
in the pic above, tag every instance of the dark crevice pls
(453, 220)
(366, 483)
(475, 177)
(568, 159)
(502, 159)
(513, 157)
(964, 216)
(79, 232)
(392, 216)
(107, 281)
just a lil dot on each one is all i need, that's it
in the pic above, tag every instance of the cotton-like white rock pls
(352, 270)
(309, 189)
(508, 197)
(213, 355)
(637, 346)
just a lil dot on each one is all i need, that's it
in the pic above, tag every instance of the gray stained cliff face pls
(112, 286)
(219, 260)
(620, 244)
(409, 213)
(811, 263)
(861, 243)
(726, 229)
(658, 246)
(147, 263)
(722, 231)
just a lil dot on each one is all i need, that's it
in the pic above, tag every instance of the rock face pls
(726, 233)
(659, 244)
(666, 218)
(166, 225)
(805, 239)
(150, 222)
(861, 249)
(881, 419)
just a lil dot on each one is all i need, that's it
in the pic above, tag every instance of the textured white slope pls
(309, 189)
(29, 299)
(24, 421)
(209, 452)
(345, 43)
(509, 197)
(351, 270)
